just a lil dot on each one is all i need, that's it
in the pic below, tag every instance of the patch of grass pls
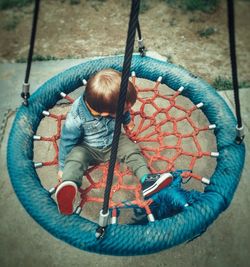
(144, 6)
(37, 58)
(244, 84)
(75, 2)
(45, 58)
(202, 5)
(11, 23)
(169, 58)
(95, 4)
(195, 19)
(70, 57)
(206, 32)
(71, 2)
(207, 6)
(7, 4)
(172, 22)
(121, 52)
(222, 84)
(21, 60)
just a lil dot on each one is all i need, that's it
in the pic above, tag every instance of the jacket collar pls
(85, 112)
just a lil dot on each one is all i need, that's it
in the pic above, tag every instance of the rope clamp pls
(25, 93)
(103, 222)
(37, 137)
(63, 94)
(151, 217)
(181, 89)
(240, 135)
(142, 48)
(100, 231)
(38, 164)
(46, 113)
(78, 210)
(204, 180)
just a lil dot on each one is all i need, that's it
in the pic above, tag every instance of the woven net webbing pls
(171, 131)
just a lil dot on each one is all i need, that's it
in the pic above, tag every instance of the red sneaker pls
(65, 196)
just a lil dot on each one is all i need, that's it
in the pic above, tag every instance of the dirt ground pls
(196, 40)
(99, 27)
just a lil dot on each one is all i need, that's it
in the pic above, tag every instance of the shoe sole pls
(158, 185)
(65, 196)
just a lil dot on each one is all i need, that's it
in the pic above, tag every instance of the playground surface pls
(25, 243)
(197, 41)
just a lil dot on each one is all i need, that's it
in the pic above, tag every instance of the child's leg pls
(77, 162)
(130, 153)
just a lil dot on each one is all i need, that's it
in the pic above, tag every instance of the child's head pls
(103, 89)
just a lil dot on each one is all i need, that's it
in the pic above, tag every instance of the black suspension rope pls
(139, 30)
(133, 22)
(231, 28)
(25, 92)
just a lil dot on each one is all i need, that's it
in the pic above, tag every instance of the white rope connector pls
(52, 190)
(78, 210)
(36, 137)
(199, 105)
(103, 222)
(103, 219)
(63, 94)
(38, 164)
(204, 180)
(84, 82)
(212, 126)
(26, 87)
(140, 42)
(46, 113)
(240, 135)
(159, 79)
(215, 154)
(151, 217)
(181, 89)
(240, 131)
(133, 73)
(113, 220)
(186, 205)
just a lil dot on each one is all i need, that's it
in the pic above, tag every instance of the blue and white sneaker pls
(155, 182)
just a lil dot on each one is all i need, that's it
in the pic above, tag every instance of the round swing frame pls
(125, 239)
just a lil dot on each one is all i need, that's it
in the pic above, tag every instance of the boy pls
(87, 137)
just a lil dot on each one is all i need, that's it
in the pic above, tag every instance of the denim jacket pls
(82, 127)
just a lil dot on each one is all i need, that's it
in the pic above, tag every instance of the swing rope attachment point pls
(133, 23)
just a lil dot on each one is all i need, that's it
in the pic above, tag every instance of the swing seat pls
(137, 239)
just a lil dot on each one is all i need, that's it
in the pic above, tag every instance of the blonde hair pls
(103, 89)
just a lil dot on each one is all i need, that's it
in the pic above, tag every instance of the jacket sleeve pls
(70, 135)
(126, 118)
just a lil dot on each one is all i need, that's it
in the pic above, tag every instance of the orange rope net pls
(152, 137)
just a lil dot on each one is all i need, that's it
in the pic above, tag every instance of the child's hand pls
(129, 127)
(59, 175)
